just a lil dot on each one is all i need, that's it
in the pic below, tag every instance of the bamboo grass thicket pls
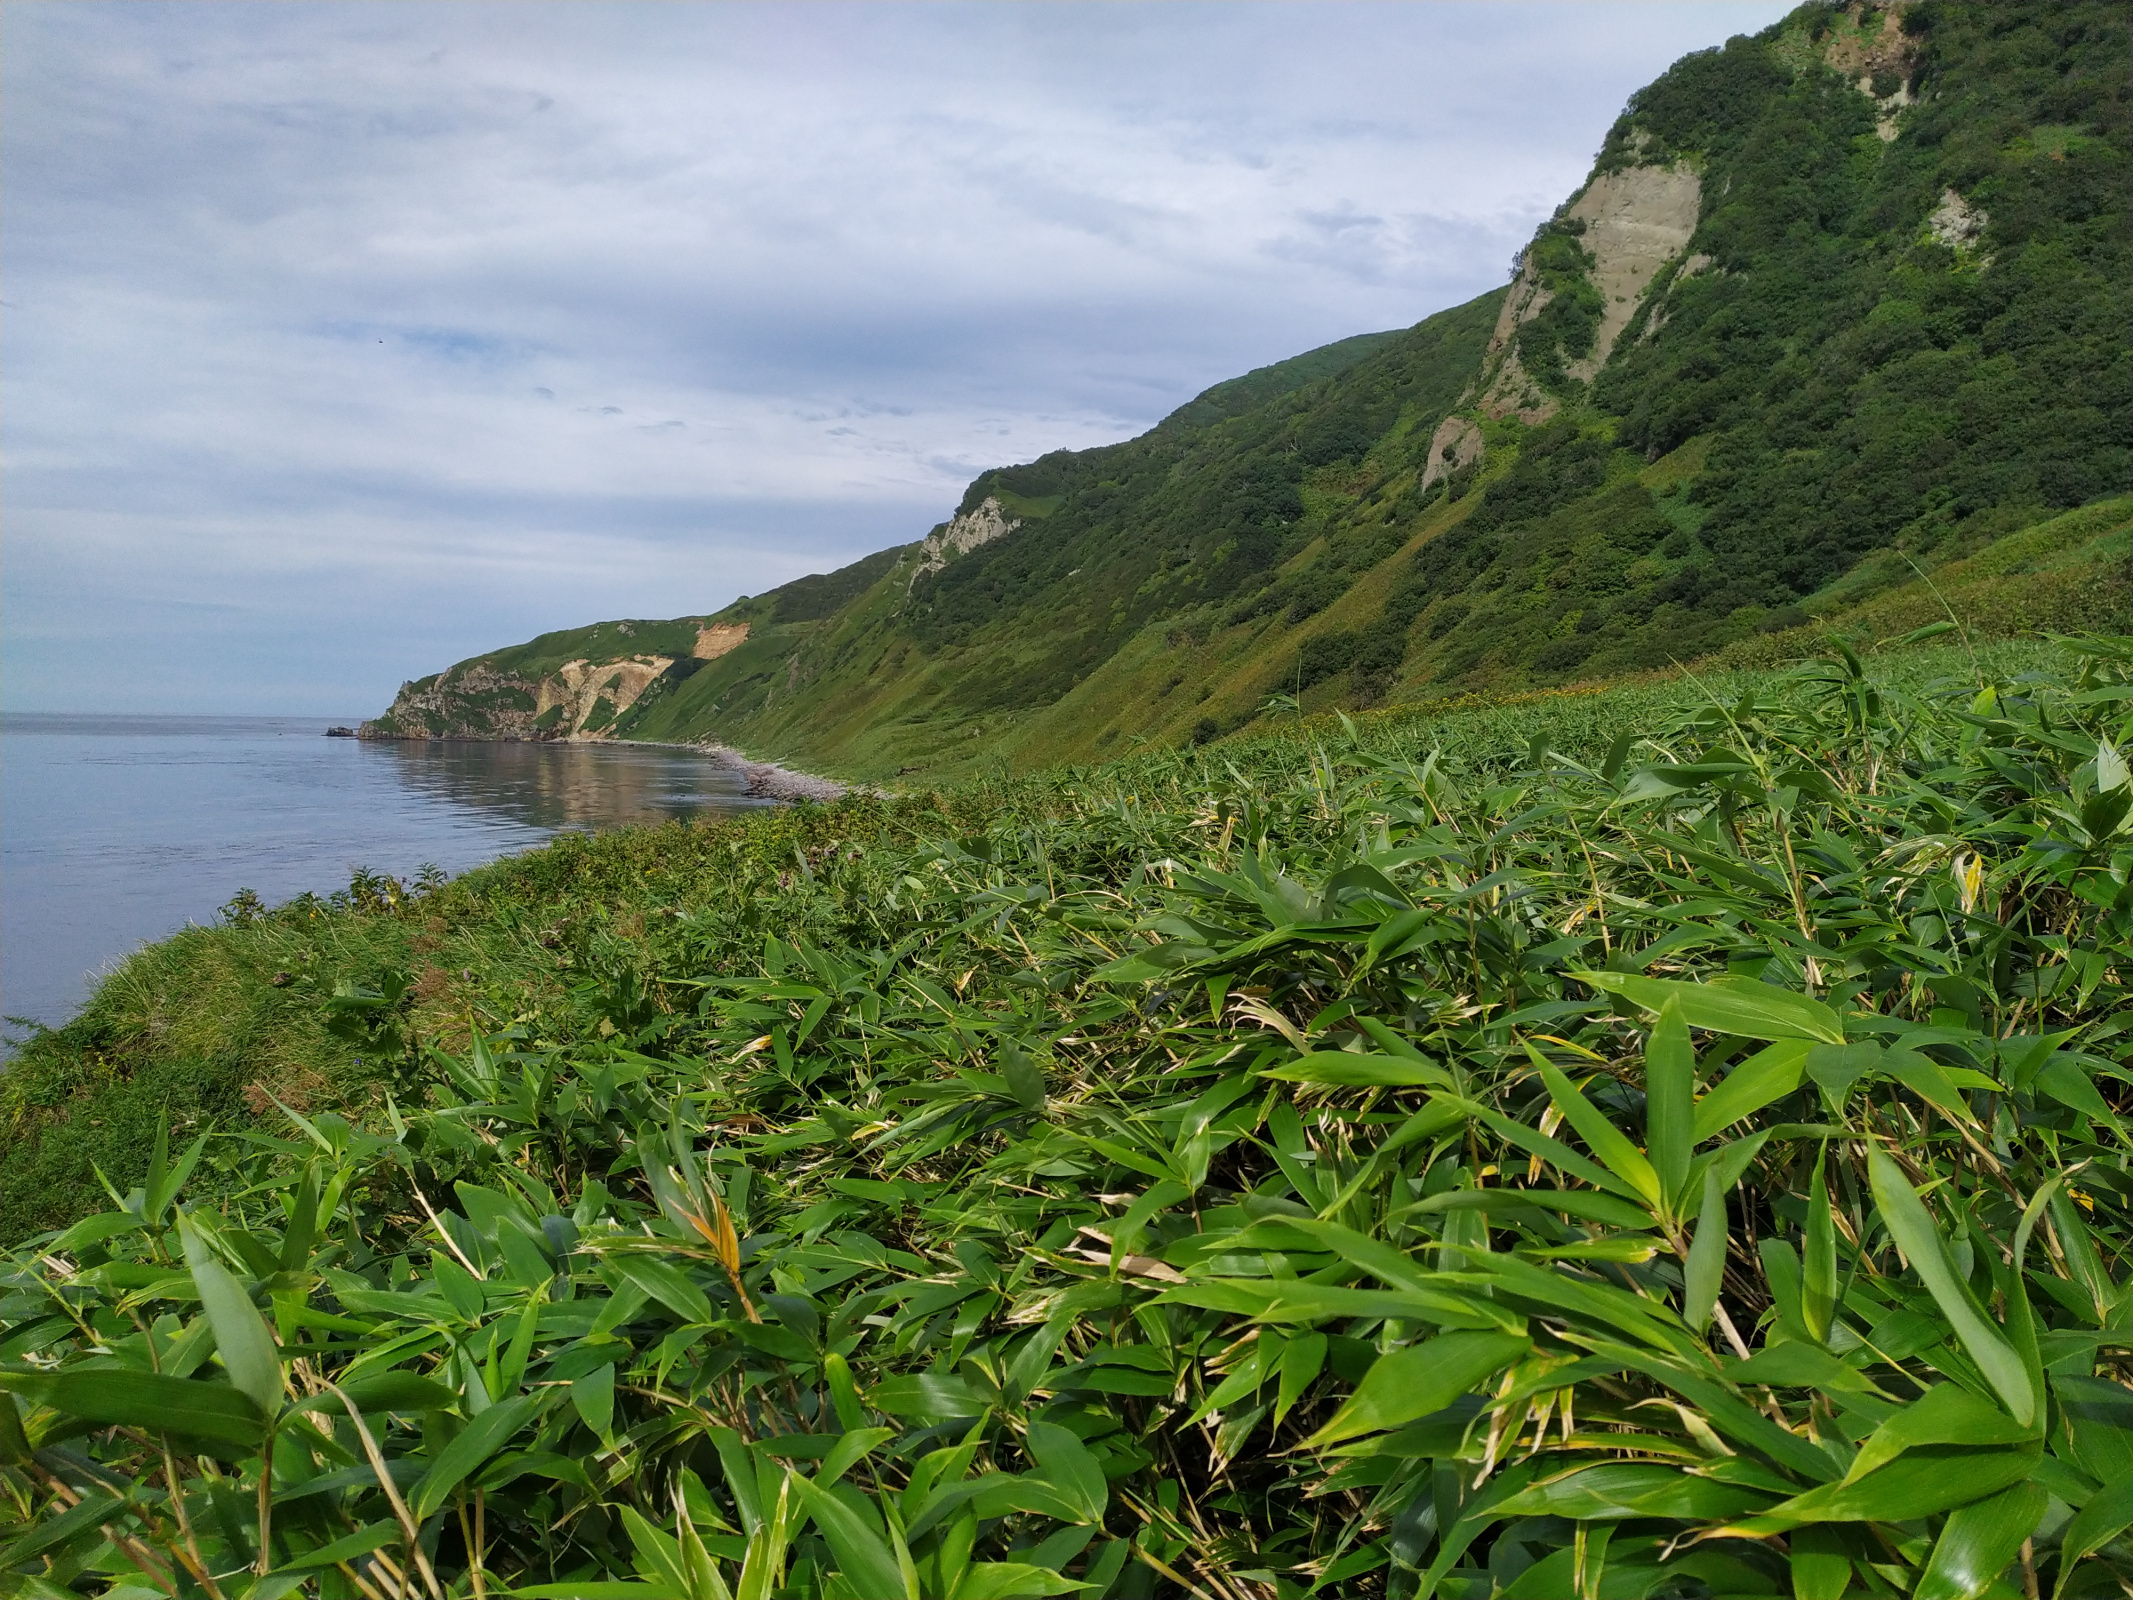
(1697, 1170)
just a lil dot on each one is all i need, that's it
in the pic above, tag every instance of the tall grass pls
(1635, 1145)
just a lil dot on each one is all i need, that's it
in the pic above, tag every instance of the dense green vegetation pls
(1671, 1144)
(1895, 327)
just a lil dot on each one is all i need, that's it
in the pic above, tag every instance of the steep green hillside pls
(1840, 305)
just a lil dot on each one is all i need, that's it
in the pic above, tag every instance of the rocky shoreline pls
(762, 780)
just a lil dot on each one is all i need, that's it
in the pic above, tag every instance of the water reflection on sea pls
(116, 830)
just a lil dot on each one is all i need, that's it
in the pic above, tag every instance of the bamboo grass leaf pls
(1669, 1103)
(2106, 1516)
(1746, 1008)
(1767, 1076)
(1978, 1541)
(192, 1407)
(1706, 1264)
(1818, 1266)
(241, 1334)
(1601, 1136)
(470, 1448)
(863, 1554)
(1913, 1229)
(1418, 1380)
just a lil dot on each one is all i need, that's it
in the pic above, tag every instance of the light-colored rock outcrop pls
(1956, 223)
(578, 687)
(719, 638)
(1456, 445)
(961, 535)
(1636, 221)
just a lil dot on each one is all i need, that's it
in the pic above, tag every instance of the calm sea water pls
(118, 830)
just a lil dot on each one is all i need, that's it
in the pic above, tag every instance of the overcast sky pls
(342, 342)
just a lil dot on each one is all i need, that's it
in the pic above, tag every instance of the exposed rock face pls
(579, 688)
(718, 639)
(965, 533)
(1509, 390)
(1636, 221)
(1456, 445)
(1875, 46)
(1956, 223)
(477, 703)
(580, 700)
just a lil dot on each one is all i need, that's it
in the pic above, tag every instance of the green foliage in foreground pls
(1700, 1170)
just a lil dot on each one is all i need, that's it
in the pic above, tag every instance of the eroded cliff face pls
(1630, 224)
(579, 700)
(962, 535)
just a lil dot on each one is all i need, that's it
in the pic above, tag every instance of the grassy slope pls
(1302, 1167)
(856, 693)
(211, 1022)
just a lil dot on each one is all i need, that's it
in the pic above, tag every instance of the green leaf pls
(1601, 1137)
(1705, 1268)
(241, 1334)
(844, 1393)
(1347, 1068)
(1798, 1366)
(1415, 1381)
(1301, 1362)
(1947, 1413)
(49, 1532)
(2106, 1516)
(932, 1396)
(1744, 1007)
(1818, 1267)
(1979, 1541)
(1023, 1077)
(1620, 1489)
(592, 1396)
(849, 1450)
(1297, 1300)
(117, 1396)
(864, 1558)
(1929, 1080)
(1069, 1467)
(658, 1552)
(1670, 1102)
(1911, 1226)
(1920, 1483)
(1835, 1068)
(1821, 1563)
(474, 1444)
(1008, 1580)
(386, 1391)
(666, 1283)
(14, 1443)
(1769, 1074)
(346, 1548)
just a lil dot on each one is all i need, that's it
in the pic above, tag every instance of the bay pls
(115, 830)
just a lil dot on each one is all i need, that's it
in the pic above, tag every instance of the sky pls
(342, 342)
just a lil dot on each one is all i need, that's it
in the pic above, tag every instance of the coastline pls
(764, 780)
(761, 780)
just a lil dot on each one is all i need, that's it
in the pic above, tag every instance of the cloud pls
(404, 332)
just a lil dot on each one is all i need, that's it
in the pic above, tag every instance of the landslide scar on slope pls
(1636, 221)
(719, 639)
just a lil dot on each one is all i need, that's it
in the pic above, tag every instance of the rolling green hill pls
(1835, 333)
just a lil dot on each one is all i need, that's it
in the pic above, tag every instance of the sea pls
(118, 830)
